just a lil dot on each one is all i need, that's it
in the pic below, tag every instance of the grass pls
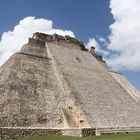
(134, 136)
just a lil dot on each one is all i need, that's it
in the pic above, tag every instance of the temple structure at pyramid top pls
(55, 86)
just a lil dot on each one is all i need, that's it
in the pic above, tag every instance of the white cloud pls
(93, 43)
(103, 41)
(122, 52)
(12, 41)
(125, 34)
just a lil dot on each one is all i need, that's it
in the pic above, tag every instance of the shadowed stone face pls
(37, 43)
(35, 48)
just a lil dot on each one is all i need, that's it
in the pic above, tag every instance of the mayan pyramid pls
(54, 82)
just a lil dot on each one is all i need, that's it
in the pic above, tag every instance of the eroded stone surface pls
(57, 86)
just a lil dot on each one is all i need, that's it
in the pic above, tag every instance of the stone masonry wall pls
(6, 133)
(101, 98)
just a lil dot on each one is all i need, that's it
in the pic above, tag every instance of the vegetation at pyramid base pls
(133, 136)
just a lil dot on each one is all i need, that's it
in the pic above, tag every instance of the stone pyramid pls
(54, 82)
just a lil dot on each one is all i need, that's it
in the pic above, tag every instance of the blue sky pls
(85, 18)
